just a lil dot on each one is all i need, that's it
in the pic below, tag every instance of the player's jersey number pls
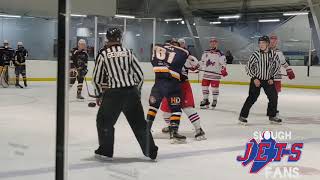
(163, 55)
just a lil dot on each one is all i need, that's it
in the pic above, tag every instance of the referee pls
(262, 67)
(118, 79)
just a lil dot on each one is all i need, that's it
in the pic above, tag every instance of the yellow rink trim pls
(196, 81)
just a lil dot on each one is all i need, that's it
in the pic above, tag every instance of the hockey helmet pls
(114, 35)
(264, 38)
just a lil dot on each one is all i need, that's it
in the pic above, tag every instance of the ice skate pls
(275, 120)
(98, 154)
(200, 135)
(18, 86)
(176, 138)
(204, 104)
(165, 130)
(243, 121)
(79, 96)
(214, 104)
(25, 84)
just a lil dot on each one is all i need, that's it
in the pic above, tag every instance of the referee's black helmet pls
(114, 35)
(265, 39)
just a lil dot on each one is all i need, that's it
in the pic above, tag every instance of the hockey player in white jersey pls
(284, 65)
(213, 65)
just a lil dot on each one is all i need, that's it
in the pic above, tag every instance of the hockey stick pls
(89, 94)
(3, 77)
(203, 71)
(283, 74)
(209, 72)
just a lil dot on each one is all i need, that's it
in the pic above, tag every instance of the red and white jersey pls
(192, 64)
(212, 62)
(284, 65)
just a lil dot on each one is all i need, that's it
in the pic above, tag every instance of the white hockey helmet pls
(82, 41)
(213, 39)
(5, 42)
(20, 43)
(181, 40)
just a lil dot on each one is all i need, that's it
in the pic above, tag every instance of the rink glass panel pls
(37, 34)
(28, 115)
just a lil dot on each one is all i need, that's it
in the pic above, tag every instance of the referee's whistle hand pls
(270, 82)
(257, 82)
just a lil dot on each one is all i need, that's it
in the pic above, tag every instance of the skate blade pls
(201, 138)
(204, 107)
(275, 123)
(102, 158)
(175, 141)
(243, 123)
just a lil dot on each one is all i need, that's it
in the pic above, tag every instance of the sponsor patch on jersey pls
(175, 101)
(117, 54)
(152, 100)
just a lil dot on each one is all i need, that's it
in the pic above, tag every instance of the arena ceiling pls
(207, 9)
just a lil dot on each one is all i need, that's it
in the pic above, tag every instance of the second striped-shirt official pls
(263, 66)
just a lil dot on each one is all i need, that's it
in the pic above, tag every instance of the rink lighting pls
(124, 16)
(182, 22)
(229, 17)
(216, 22)
(295, 13)
(102, 33)
(9, 16)
(268, 20)
(174, 19)
(78, 15)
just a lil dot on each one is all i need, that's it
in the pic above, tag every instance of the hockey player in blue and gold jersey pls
(168, 61)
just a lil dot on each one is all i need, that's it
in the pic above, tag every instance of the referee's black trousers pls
(126, 100)
(254, 93)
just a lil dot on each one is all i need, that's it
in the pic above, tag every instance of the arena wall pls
(43, 70)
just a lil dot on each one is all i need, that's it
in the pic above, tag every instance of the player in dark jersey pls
(168, 61)
(79, 66)
(20, 64)
(6, 56)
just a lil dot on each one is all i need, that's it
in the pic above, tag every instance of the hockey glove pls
(224, 72)
(98, 101)
(73, 72)
(290, 74)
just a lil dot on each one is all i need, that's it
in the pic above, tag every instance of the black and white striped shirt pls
(263, 66)
(116, 67)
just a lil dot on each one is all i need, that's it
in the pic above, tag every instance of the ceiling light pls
(78, 15)
(173, 19)
(102, 33)
(9, 16)
(268, 20)
(295, 13)
(182, 22)
(194, 24)
(230, 17)
(215, 22)
(124, 16)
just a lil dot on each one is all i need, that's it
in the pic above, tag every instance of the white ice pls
(27, 132)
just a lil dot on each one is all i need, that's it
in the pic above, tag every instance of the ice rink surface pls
(27, 132)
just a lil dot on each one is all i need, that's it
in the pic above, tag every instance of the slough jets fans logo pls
(268, 150)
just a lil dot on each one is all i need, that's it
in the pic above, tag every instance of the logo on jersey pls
(175, 100)
(267, 150)
(209, 63)
(152, 100)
